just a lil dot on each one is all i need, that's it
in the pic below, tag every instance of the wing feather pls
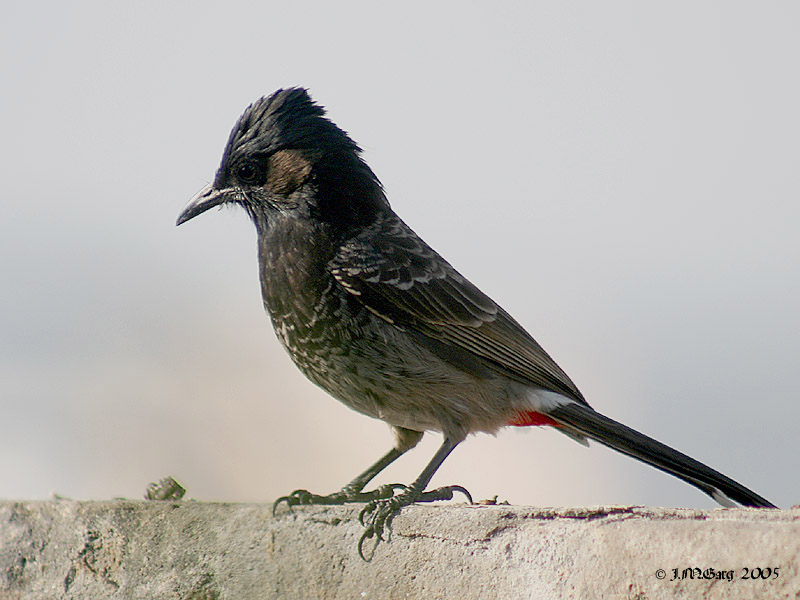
(399, 277)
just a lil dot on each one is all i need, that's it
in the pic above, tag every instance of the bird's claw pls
(379, 514)
(296, 498)
(445, 493)
(382, 505)
(376, 517)
(346, 494)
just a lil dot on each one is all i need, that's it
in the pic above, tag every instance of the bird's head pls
(284, 157)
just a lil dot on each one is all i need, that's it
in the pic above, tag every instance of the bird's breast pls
(370, 365)
(312, 316)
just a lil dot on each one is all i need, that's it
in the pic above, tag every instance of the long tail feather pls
(615, 435)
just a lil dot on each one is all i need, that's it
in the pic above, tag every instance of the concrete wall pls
(202, 551)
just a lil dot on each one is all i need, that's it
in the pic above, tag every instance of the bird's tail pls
(582, 420)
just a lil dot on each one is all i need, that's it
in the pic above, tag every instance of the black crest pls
(286, 119)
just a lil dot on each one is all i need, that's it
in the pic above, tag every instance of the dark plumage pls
(373, 315)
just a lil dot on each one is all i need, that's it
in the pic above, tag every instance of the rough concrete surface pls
(202, 551)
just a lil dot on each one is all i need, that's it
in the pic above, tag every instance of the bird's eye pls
(246, 173)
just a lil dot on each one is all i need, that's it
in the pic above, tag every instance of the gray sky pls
(621, 176)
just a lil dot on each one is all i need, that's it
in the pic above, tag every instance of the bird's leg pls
(377, 515)
(352, 492)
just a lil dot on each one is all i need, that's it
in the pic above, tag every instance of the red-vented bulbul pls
(373, 315)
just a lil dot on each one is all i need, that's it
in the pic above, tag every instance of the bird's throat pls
(294, 273)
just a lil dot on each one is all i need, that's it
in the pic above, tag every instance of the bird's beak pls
(208, 197)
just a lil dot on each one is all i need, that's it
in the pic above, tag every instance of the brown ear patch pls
(286, 171)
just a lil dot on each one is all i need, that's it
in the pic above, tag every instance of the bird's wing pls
(397, 276)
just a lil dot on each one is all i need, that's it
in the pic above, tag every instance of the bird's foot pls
(346, 494)
(377, 515)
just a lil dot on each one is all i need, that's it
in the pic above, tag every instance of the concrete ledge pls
(201, 551)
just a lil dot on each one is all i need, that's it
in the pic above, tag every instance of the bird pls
(370, 313)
